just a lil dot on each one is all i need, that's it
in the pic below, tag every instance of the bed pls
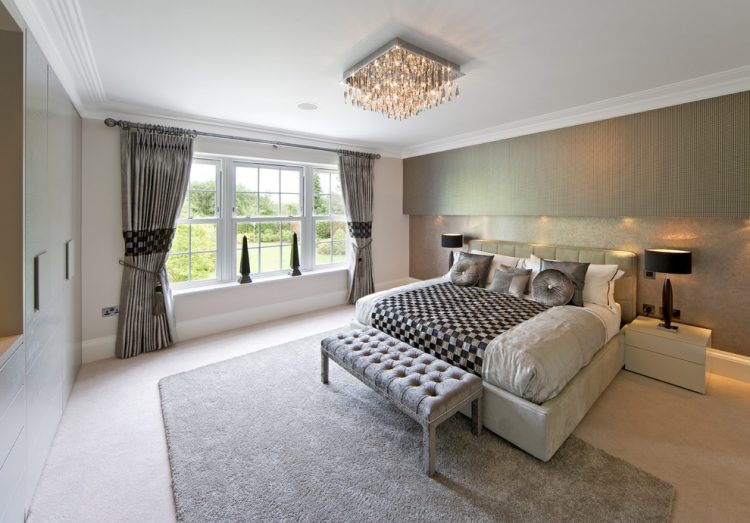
(530, 420)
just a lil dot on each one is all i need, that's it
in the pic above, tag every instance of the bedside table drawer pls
(673, 348)
(665, 368)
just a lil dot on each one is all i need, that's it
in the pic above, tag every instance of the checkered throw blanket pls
(451, 322)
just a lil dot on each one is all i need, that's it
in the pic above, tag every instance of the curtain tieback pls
(157, 305)
(360, 247)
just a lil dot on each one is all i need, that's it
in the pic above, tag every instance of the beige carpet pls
(110, 448)
(260, 438)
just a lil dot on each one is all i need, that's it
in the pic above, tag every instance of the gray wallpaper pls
(715, 295)
(688, 160)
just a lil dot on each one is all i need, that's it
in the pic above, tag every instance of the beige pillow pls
(497, 261)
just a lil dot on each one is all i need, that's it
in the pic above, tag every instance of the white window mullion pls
(308, 222)
(221, 204)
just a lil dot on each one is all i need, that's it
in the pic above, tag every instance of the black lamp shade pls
(669, 261)
(452, 241)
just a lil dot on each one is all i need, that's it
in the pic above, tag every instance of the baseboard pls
(729, 365)
(207, 325)
(98, 349)
(104, 347)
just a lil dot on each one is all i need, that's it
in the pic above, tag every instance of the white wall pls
(208, 311)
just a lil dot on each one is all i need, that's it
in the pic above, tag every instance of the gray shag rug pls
(259, 438)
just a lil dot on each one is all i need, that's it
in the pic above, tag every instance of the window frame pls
(330, 217)
(217, 220)
(234, 220)
(226, 258)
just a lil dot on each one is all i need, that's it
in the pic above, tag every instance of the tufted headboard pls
(625, 287)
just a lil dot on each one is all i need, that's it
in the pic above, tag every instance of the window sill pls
(259, 280)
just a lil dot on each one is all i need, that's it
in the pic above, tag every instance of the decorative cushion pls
(573, 270)
(457, 254)
(470, 270)
(552, 287)
(510, 280)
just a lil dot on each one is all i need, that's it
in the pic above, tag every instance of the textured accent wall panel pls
(720, 246)
(687, 160)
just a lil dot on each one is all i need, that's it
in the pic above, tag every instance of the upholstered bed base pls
(541, 429)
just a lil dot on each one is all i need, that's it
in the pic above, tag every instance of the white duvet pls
(537, 358)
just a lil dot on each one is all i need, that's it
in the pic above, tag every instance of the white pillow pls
(611, 290)
(499, 259)
(534, 263)
(596, 285)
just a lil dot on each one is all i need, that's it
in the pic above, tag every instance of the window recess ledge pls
(261, 280)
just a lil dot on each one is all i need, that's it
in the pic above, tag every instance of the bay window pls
(268, 202)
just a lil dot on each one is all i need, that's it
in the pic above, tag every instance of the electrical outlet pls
(648, 310)
(650, 275)
(675, 313)
(110, 311)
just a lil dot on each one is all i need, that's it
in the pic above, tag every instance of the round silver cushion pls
(552, 287)
(465, 273)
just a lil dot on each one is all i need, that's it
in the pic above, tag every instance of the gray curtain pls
(155, 165)
(355, 170)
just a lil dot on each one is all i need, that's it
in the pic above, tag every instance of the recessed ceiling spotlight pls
(307, 106)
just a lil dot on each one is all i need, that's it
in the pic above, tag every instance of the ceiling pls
(528, 65)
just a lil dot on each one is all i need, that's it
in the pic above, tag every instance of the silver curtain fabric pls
(155, 175)
(356, 174)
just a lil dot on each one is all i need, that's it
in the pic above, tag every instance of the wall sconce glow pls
(679, 237)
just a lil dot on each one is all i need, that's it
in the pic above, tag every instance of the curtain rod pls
(111, 122)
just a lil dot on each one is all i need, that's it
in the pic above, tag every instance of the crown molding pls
(700, 88)
(69, 20)
(59, 30)
(121, 111)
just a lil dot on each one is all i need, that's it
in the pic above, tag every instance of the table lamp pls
(451, 241)
(668, 261)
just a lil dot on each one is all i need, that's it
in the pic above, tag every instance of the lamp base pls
(672, 328)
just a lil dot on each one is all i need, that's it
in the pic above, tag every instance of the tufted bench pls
(425, 388)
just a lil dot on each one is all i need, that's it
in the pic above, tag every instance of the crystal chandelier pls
(401, 80)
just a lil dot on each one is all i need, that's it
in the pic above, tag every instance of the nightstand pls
(675, 357)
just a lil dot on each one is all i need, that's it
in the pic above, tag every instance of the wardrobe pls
(40, 280)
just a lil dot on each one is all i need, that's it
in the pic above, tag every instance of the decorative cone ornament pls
(294, 261)
(245, 263)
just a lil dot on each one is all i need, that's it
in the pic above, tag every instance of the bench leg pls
(428, 448)
(323, 367)
(476, 416)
